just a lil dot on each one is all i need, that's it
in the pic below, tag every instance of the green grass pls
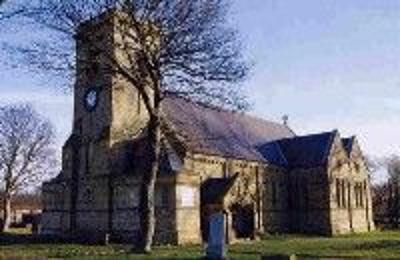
(380, 245)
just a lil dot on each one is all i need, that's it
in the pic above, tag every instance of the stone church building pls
(260, 174)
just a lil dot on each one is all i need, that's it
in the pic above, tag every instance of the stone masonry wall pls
(309, 201)
(247, 188)
(350, 199)
(55, 219)
(188, 210)
(274, 201)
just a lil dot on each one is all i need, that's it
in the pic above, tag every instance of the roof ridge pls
(218, 131)
(309, 150)
(308, 135)
(348, 143)
(227, 111)
(281, 152)
(329, 146)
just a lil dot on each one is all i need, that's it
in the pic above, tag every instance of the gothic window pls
(338, 192)
(356, 194)
(348, 194)
(164, 196)
(359, 192)
(365, 191)
(343, 194)
(139, 103)
(361, 195)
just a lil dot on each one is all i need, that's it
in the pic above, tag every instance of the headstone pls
(36, 225)
(106, 240)
(216, 237)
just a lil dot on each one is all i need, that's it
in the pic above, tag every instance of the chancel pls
(259, 174)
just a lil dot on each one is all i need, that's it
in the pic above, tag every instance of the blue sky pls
(326, 63)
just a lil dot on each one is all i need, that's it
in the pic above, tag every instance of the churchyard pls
(374, 245)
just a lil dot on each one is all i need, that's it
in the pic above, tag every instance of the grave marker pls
(216, 237)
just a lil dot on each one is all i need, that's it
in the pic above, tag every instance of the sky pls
(328, 64)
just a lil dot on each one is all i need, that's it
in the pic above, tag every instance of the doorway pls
(243, 220)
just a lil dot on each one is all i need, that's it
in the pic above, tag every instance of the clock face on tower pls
(91, 99)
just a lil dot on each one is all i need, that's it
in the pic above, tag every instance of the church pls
(261, 175)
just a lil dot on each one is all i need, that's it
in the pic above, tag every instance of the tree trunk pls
(6, 213)
(149, 180)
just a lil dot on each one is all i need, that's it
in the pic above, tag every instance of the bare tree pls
(170, 47)
(26, 152)
(386, 195)
(378, 189)
(393, 168)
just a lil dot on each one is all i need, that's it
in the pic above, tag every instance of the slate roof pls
(214, 189)
(170, 160)
(218, 132)
(237, 135)
(273, 153)
(307, 151)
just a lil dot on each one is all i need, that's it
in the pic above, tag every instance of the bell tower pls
(105, 104)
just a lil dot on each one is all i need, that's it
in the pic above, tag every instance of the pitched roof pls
(170, 160)
(273, 153)
(219, 132)
(348, 144)
(214, 189)
(307, 151)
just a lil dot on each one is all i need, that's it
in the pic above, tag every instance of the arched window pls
(338, 192)
(362, 189)
(139, 103)
(343, 195)
(356, 193)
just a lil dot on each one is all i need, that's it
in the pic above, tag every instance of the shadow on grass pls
(25, 246)
(306, 247)
(28, 239)
(382, 244)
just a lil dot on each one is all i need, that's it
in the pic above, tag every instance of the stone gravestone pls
(36, 225)
(216, 237)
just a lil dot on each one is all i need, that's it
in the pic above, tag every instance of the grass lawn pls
(379, 245)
